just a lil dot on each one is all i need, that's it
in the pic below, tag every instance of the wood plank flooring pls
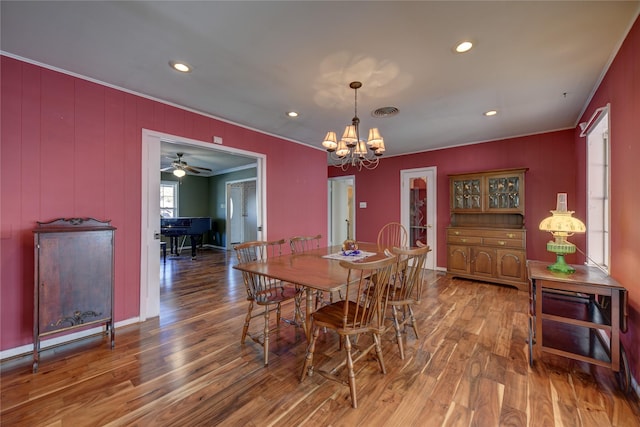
(187, 368)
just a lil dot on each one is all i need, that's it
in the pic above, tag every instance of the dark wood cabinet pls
(74, 278)
(486, 239)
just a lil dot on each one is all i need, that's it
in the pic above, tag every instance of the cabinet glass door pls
(504, 192)
(467, 194)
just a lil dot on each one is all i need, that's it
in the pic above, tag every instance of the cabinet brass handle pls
(456, 233)
(463, 240)
(502, 242)
(511, 235)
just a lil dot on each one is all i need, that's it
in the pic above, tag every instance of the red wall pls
(72, 148)
(621, 89)
(550, 158)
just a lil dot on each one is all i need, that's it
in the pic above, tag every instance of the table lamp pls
(561, 225)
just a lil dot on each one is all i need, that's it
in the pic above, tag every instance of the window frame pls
(598, 188)
(175, 185)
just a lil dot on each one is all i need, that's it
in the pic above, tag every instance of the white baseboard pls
(52, 342)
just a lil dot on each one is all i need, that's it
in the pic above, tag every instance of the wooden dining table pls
(311, 270)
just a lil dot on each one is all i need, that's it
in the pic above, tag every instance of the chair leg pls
(266, 333)
(396, 326)
(245, 329)
(298, 315)
(414, 324)
(376, 339)
(351, 373)
(308, 360)
(319, 299)
(278, 315)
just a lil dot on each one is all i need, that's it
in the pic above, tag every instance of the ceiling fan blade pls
(201, 168)
(167, 169)
(190, 169)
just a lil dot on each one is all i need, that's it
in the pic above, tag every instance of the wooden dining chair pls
(361, 313)
(406, 290)
(264, 291)
(392, 235)
(301, 244)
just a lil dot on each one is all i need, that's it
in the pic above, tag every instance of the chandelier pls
(351, 150)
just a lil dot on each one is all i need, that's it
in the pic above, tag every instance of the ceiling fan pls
(178, 164)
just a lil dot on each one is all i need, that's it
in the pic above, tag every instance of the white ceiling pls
(536, 62)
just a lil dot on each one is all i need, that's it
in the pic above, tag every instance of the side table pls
(579, 316)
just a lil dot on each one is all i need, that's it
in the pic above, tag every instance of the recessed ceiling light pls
(490, 113)
(292, 114)
(463, 47)
(180, 66)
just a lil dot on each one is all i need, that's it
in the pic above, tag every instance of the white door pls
(250, 212)
(150, 227)
(234, 215)
(341, 193)
(242, 217)
(418, 208)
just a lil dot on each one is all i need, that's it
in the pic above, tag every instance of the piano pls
(194, 227)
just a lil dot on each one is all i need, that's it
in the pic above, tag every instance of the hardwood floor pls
(187, 368)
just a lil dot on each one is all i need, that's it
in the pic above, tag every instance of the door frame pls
(150, 210)
(432, 214)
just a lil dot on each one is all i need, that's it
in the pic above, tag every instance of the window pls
(168, 199)
(597, 133)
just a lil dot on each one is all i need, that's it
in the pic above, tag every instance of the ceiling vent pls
(385, 112)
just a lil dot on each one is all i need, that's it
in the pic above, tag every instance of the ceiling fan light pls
(179, 173)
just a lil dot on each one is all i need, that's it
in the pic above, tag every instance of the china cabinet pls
(486, 239)
(73, 284)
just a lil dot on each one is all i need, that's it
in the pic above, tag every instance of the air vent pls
(385, 112)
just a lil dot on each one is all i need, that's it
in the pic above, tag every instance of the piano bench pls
(163, 246)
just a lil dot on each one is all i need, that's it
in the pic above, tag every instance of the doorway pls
(418, 208)
(150, 210)
(341, 194)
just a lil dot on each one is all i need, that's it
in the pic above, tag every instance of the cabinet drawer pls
(503, 234)
(465, 240)
(462, 232)
(506, 243)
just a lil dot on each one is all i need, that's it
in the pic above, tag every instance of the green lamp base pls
(561, 266)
